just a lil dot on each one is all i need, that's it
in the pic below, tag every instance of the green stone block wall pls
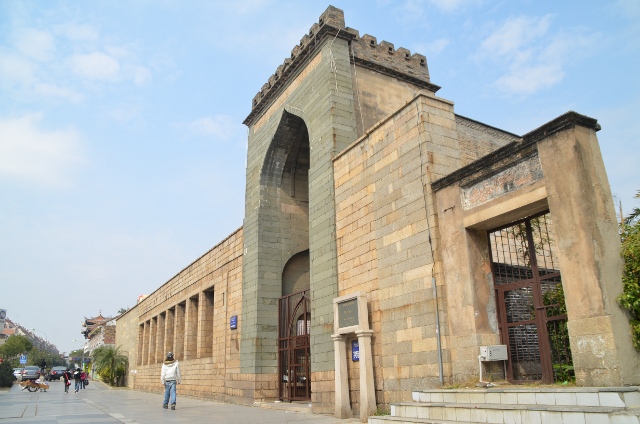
(323, 99)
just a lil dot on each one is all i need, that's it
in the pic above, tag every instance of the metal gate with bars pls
(530, 300)
(294, 346)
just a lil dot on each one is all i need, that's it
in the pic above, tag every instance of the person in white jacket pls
(169, 377)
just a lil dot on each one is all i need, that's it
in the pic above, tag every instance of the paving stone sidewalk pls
(100, 404)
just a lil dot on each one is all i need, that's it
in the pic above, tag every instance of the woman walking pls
(66, 375)
(76, 377)
(170, 376)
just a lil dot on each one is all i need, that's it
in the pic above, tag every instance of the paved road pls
(100, 404)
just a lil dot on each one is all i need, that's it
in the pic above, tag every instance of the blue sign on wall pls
(355, 350)
(233, 322)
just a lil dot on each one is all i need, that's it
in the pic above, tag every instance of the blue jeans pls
(78, 385)
(169, 389)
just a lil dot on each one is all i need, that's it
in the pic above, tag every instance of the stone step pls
(613, 418)
(416, 412)
(574, 396)
(299, 407)
(388, 419)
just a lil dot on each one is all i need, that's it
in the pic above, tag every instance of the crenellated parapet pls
(365, 51)
(399, 63)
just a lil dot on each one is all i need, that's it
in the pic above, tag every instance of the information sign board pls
(348, 313)
(233, 322)
(355, 351)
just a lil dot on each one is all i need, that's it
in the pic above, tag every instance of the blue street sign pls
(233, 322)
(23, 359)
(355, 351)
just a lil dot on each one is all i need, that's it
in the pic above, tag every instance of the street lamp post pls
(46, 339)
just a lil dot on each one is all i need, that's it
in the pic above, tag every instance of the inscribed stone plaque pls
(518, 175)
(348, 313)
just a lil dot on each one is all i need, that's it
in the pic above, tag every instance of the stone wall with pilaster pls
(386, 240)
(190, 315)
(127, 331)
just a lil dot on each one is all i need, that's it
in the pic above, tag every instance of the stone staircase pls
(499, 405)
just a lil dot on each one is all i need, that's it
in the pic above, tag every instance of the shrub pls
(630, 297)
(6, 374)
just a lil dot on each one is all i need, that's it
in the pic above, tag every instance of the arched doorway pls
(284, 221)
(294, 347)
(294, 328)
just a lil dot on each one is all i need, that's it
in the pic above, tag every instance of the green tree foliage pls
(14, 346)
(6, 374)
(76, 353)
(36, 356)
(108, 362)
(630, 297)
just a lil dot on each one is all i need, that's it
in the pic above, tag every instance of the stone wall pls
(127, 340)
(477, 139)
(378, 95)
(384, 239)
(316, 100)
(189, 315)
(345, 141)
(387, 236)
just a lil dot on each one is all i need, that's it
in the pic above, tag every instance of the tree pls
(36, 356)
(77, 352)
(108, 360)
(634, 216)
(123, 310)
(14, 346)
(6, 375)
(630, 297)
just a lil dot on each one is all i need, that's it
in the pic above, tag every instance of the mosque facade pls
(363, 187)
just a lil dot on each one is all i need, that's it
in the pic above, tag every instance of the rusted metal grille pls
(530, 300)
(294, 347)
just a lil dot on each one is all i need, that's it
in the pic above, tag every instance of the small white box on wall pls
(493, 353)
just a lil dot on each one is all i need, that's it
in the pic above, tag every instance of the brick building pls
(458, 235)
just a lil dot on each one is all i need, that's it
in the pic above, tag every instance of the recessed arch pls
(295, 275)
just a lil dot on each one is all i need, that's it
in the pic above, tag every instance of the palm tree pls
(635, 213)
(109, 358)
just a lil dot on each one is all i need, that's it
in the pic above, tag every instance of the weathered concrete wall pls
(556, 167)
(469, 287)
(582, 206)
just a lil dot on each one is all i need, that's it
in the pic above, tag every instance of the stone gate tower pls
(334, 86)
(360, 180)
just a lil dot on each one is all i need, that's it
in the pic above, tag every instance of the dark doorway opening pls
(532, 315)
(294, 347)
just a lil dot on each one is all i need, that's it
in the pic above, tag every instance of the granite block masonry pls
(360, 179)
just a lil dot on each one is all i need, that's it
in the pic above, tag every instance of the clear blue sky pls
(122, 149)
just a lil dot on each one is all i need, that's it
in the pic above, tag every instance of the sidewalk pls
(100, 404)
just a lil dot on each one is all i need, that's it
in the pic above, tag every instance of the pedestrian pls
(66, 375)
(170, 376)
(83, 380)
(76, 378)
(43, 365)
